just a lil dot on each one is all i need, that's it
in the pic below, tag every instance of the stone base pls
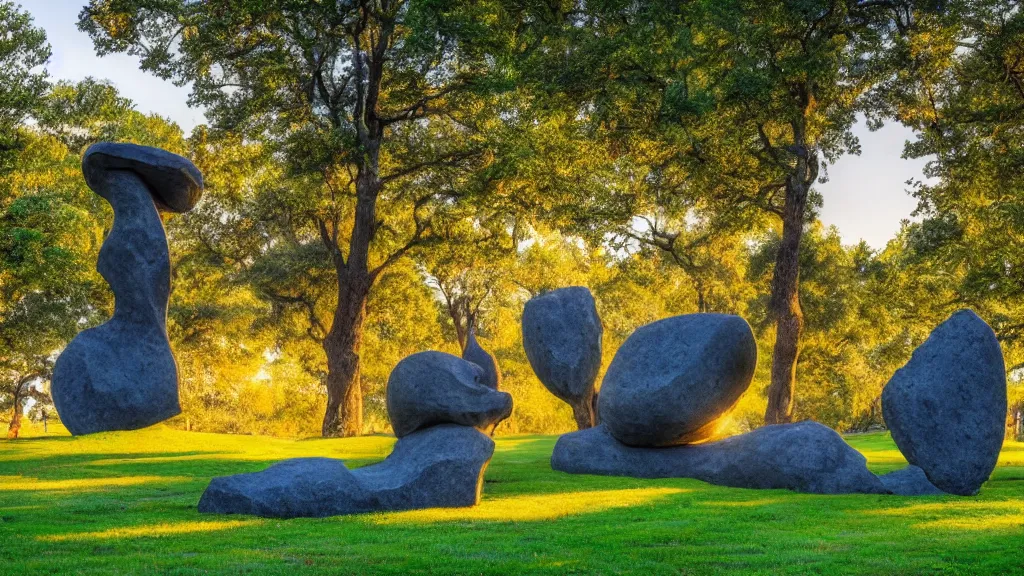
(438, 467)
(910, 481)
(116, 376)
(803, 457)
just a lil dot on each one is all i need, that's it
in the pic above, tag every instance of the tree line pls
(385, 176)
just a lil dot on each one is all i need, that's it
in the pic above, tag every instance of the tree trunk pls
(463, 318)
(583, 412)
(343, 344)
(15, 426)
(785, 296)
(461, 322)
(344, 340)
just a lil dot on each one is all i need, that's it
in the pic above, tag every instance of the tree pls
(866, 311)
(379, 109)
(964, 97)
(748, 99)
(471, 274)
(24, 52)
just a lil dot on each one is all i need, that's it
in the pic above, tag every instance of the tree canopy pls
(384, 177)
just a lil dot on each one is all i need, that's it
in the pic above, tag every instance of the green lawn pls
(125, 503)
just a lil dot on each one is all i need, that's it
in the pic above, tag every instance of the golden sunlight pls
(534, 507)
(961, 515)
(153, 530)
(30, 484)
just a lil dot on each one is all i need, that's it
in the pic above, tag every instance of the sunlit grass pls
(125, 503)
(536, 507)
(958, 514)
(155, 530)
(29, 484)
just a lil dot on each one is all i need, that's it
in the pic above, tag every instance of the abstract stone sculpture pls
(436, 402)
(562, 337)
(432, 387)
(803, 457)
(946, 408)
(477, 355)
(909, 481)
(121, 375)
(672, 380)
(439, 467)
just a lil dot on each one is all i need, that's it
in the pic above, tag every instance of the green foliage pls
(49, 236)
(645, 150)
(964, 95)
(23, 80)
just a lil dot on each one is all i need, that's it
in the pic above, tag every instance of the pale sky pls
(865, 197)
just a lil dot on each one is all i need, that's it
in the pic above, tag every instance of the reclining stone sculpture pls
(438, 405)
(663, 398)
(672, 379)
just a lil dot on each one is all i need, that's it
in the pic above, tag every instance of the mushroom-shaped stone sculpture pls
(562, 337)
(431, 388)
(121, 375)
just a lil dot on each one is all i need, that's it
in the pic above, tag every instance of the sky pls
(865, 197)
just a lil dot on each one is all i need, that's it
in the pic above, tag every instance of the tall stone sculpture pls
(562, 337)
(121, 375)
(946, 408)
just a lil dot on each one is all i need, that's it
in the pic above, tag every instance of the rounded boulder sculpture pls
(121, 375)
(430, 388)
(672, 380)
(946, 408)
(562, 337)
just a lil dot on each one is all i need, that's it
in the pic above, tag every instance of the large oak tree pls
(737, 105)
(368, 103)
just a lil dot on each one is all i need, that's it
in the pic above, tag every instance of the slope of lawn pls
(125, 503)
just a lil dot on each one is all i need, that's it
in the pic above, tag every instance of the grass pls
(125, 503)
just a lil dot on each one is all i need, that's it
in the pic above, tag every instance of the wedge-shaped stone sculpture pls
(440, 467)
(946, 408)
(803, 457)
(121, 375)
(477, 355)
(432, 387)
(909, 481)
(562, 337)
(672, 380)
